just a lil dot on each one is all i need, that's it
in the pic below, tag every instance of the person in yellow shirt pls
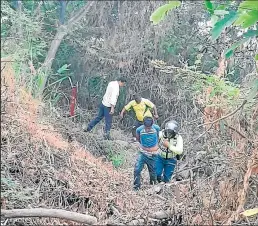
(142, 107)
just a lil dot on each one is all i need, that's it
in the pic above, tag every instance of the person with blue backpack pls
(148, 137)
(170, 150)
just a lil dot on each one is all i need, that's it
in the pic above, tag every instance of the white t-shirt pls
(111, 95)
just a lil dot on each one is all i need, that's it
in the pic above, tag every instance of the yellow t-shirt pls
(142, 109)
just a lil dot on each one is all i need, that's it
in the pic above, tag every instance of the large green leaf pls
(209, 6)
(248, 5)
(247, 18)
(222, 24)
(159, 14)
(250, 33)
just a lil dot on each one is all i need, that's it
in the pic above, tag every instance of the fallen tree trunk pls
(55, 213)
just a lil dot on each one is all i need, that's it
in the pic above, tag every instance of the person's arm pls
(178, 149)
(155, 112)
(113, 99)
(153, 107)
(122, 113)
(126, 108)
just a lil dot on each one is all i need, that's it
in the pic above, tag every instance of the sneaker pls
(133, 140)
(136, 188)
(86, 130)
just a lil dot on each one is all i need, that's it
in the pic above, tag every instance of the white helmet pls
(171, 129)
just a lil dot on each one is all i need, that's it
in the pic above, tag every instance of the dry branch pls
(55, 213)
(226, 116)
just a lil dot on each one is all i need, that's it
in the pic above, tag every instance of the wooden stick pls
(55, 213)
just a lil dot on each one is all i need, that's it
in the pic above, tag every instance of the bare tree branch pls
(55, 213)
(226, 116)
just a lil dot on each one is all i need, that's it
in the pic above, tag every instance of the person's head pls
(148, 121)
(171, 129)
(137, 98)
(121, 81)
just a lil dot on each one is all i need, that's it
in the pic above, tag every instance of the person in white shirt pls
(107, 107)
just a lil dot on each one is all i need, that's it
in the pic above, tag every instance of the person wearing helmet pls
(142, 107)
(170, 147)
(148, 137)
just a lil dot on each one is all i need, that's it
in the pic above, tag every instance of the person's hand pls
(112, 111)
(121, 115)
(166, 143)
(156, 116)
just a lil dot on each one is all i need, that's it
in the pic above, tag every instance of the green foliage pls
(221, 87)
(209, 6)
(62, 69)
(27, 44)
(245, 16)
(230, 51)
(159, 14)
(95, 85)
(62, 56)
(117, 159)
(247, 19)
(248, 5)
(222, 24)
(248, 14)
(246, 36)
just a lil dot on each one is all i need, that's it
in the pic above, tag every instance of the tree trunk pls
(61, 32)
(55, 213)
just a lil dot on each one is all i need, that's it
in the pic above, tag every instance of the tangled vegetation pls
(197, 61)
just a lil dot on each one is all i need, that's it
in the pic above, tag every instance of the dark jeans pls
(103, 112)
(150, 162)
(165, 166)
(135, 126)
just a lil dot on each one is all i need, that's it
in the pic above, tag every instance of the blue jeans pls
(103, 112)
(165, 166)
(150, 162)
(137, 124)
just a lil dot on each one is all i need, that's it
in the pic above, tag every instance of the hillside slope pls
(41, 167)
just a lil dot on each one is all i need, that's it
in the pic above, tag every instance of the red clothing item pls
(73, 100)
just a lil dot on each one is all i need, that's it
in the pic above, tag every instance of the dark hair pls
(148, 121)
(121, 79)
(136, 96)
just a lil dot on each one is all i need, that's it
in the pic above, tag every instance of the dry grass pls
(40, 168)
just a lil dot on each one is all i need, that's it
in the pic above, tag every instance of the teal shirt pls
(148, 139)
